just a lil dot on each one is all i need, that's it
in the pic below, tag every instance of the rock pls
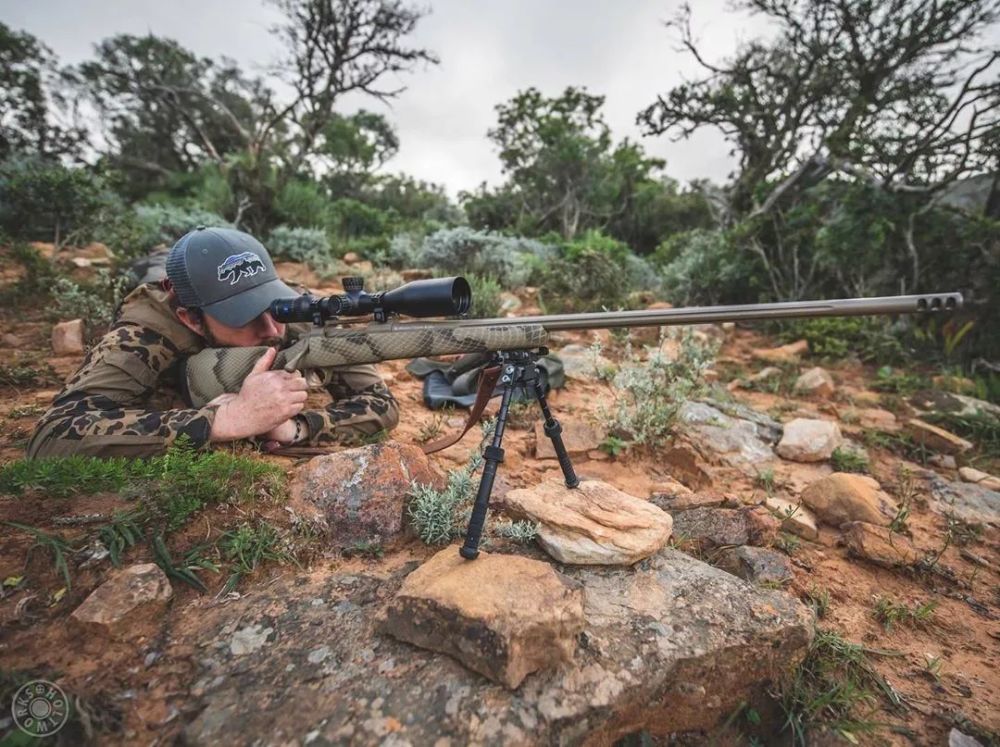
(44, 249)
(785, 354)
(593, 523)
(415, 274)
(957, 404)
(351, 258)
(845, 496)
(816, 381)
(671, 502)
(360, 495)
(757, 564)
(11, 341)
(682, 463)
(878, 545)
(669, 488)
(249, 639)
(957, 384)
(794, 517)
(509, 302)
(972, 502)
(81, 263)
(68, 338)
(957, 738)
(736, 442)
(768, 429)
(935, 438)
(944, 461)
(130, 597)
(768, 372)
(580, 363)
(503, 616)
(578, 437)
(968, 474)
(807, 440)
(714, 527)
(878, 419)
(669, 645)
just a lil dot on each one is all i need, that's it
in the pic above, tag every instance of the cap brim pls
(243, 308)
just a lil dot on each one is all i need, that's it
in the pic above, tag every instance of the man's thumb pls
(264, 362)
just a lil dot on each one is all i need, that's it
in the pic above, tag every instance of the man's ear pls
(191, 320)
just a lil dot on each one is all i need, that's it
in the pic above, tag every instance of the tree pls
(565, 175)
(351, 148)
(898, 93)
(902, 96)
(168, 109)
(29, 87)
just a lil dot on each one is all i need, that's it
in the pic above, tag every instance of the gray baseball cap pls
(226, 273)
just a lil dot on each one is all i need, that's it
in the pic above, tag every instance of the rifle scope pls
(421, 298)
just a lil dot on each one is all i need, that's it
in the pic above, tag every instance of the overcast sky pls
(488, 51)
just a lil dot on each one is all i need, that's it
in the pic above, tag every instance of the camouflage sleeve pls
(362, 405)
(107, 408)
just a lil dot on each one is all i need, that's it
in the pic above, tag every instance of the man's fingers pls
(265, 361)
(299, 397)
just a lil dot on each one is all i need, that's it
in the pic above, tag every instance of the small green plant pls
(932, 666)
(889, 380)
(764, 479)
(522, 532)
(891, 613)
(819, 600)
(849, 460)
(124, 531)
(23, 375)
(247, 547)
(833, 690)
(869, 338)
(25, 411)
(186, 569)
(649, 393)
(364, 549)
(436, 514)
(787, 543)
(58, 547)
(94, 302)
(613, 446)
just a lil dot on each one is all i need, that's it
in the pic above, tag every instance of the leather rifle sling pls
(487, 383)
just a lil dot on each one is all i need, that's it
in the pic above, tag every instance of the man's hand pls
(266, 400)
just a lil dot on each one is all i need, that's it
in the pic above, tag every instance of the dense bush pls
(511, 260)
(486, 300)
(590, 282)
(703, 266)
(871, 339)
(164, 224)
(42, 200)
(302, 203)
(309, 245)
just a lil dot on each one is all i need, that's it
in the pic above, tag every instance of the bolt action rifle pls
(512, 347)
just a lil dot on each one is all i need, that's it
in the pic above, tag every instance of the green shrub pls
(486, 300)
(94, 302)
(590, 282)
(43, 200)
(703, 266)
(848, 460)
(308, 245)
(302, 203)
(464, 250)
(402, 252)
(353, 219)
(649, 393)
(871, 339)
(165, 224)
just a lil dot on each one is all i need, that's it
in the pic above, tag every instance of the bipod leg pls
(554, 431)
(492, 456)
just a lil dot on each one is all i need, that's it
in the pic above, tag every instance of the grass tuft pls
(891, 613)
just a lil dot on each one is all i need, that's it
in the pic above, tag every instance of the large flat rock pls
(670, 644)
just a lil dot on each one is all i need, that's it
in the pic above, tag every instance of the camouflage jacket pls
(125, 398)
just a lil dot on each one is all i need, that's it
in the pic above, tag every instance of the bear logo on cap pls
(239, 266)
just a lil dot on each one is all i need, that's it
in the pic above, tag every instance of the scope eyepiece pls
(420, 298)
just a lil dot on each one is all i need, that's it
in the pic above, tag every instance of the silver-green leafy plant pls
(649, 393)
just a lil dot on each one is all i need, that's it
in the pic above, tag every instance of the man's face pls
(262, 331)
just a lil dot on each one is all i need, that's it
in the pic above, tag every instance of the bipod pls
(519, 368)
